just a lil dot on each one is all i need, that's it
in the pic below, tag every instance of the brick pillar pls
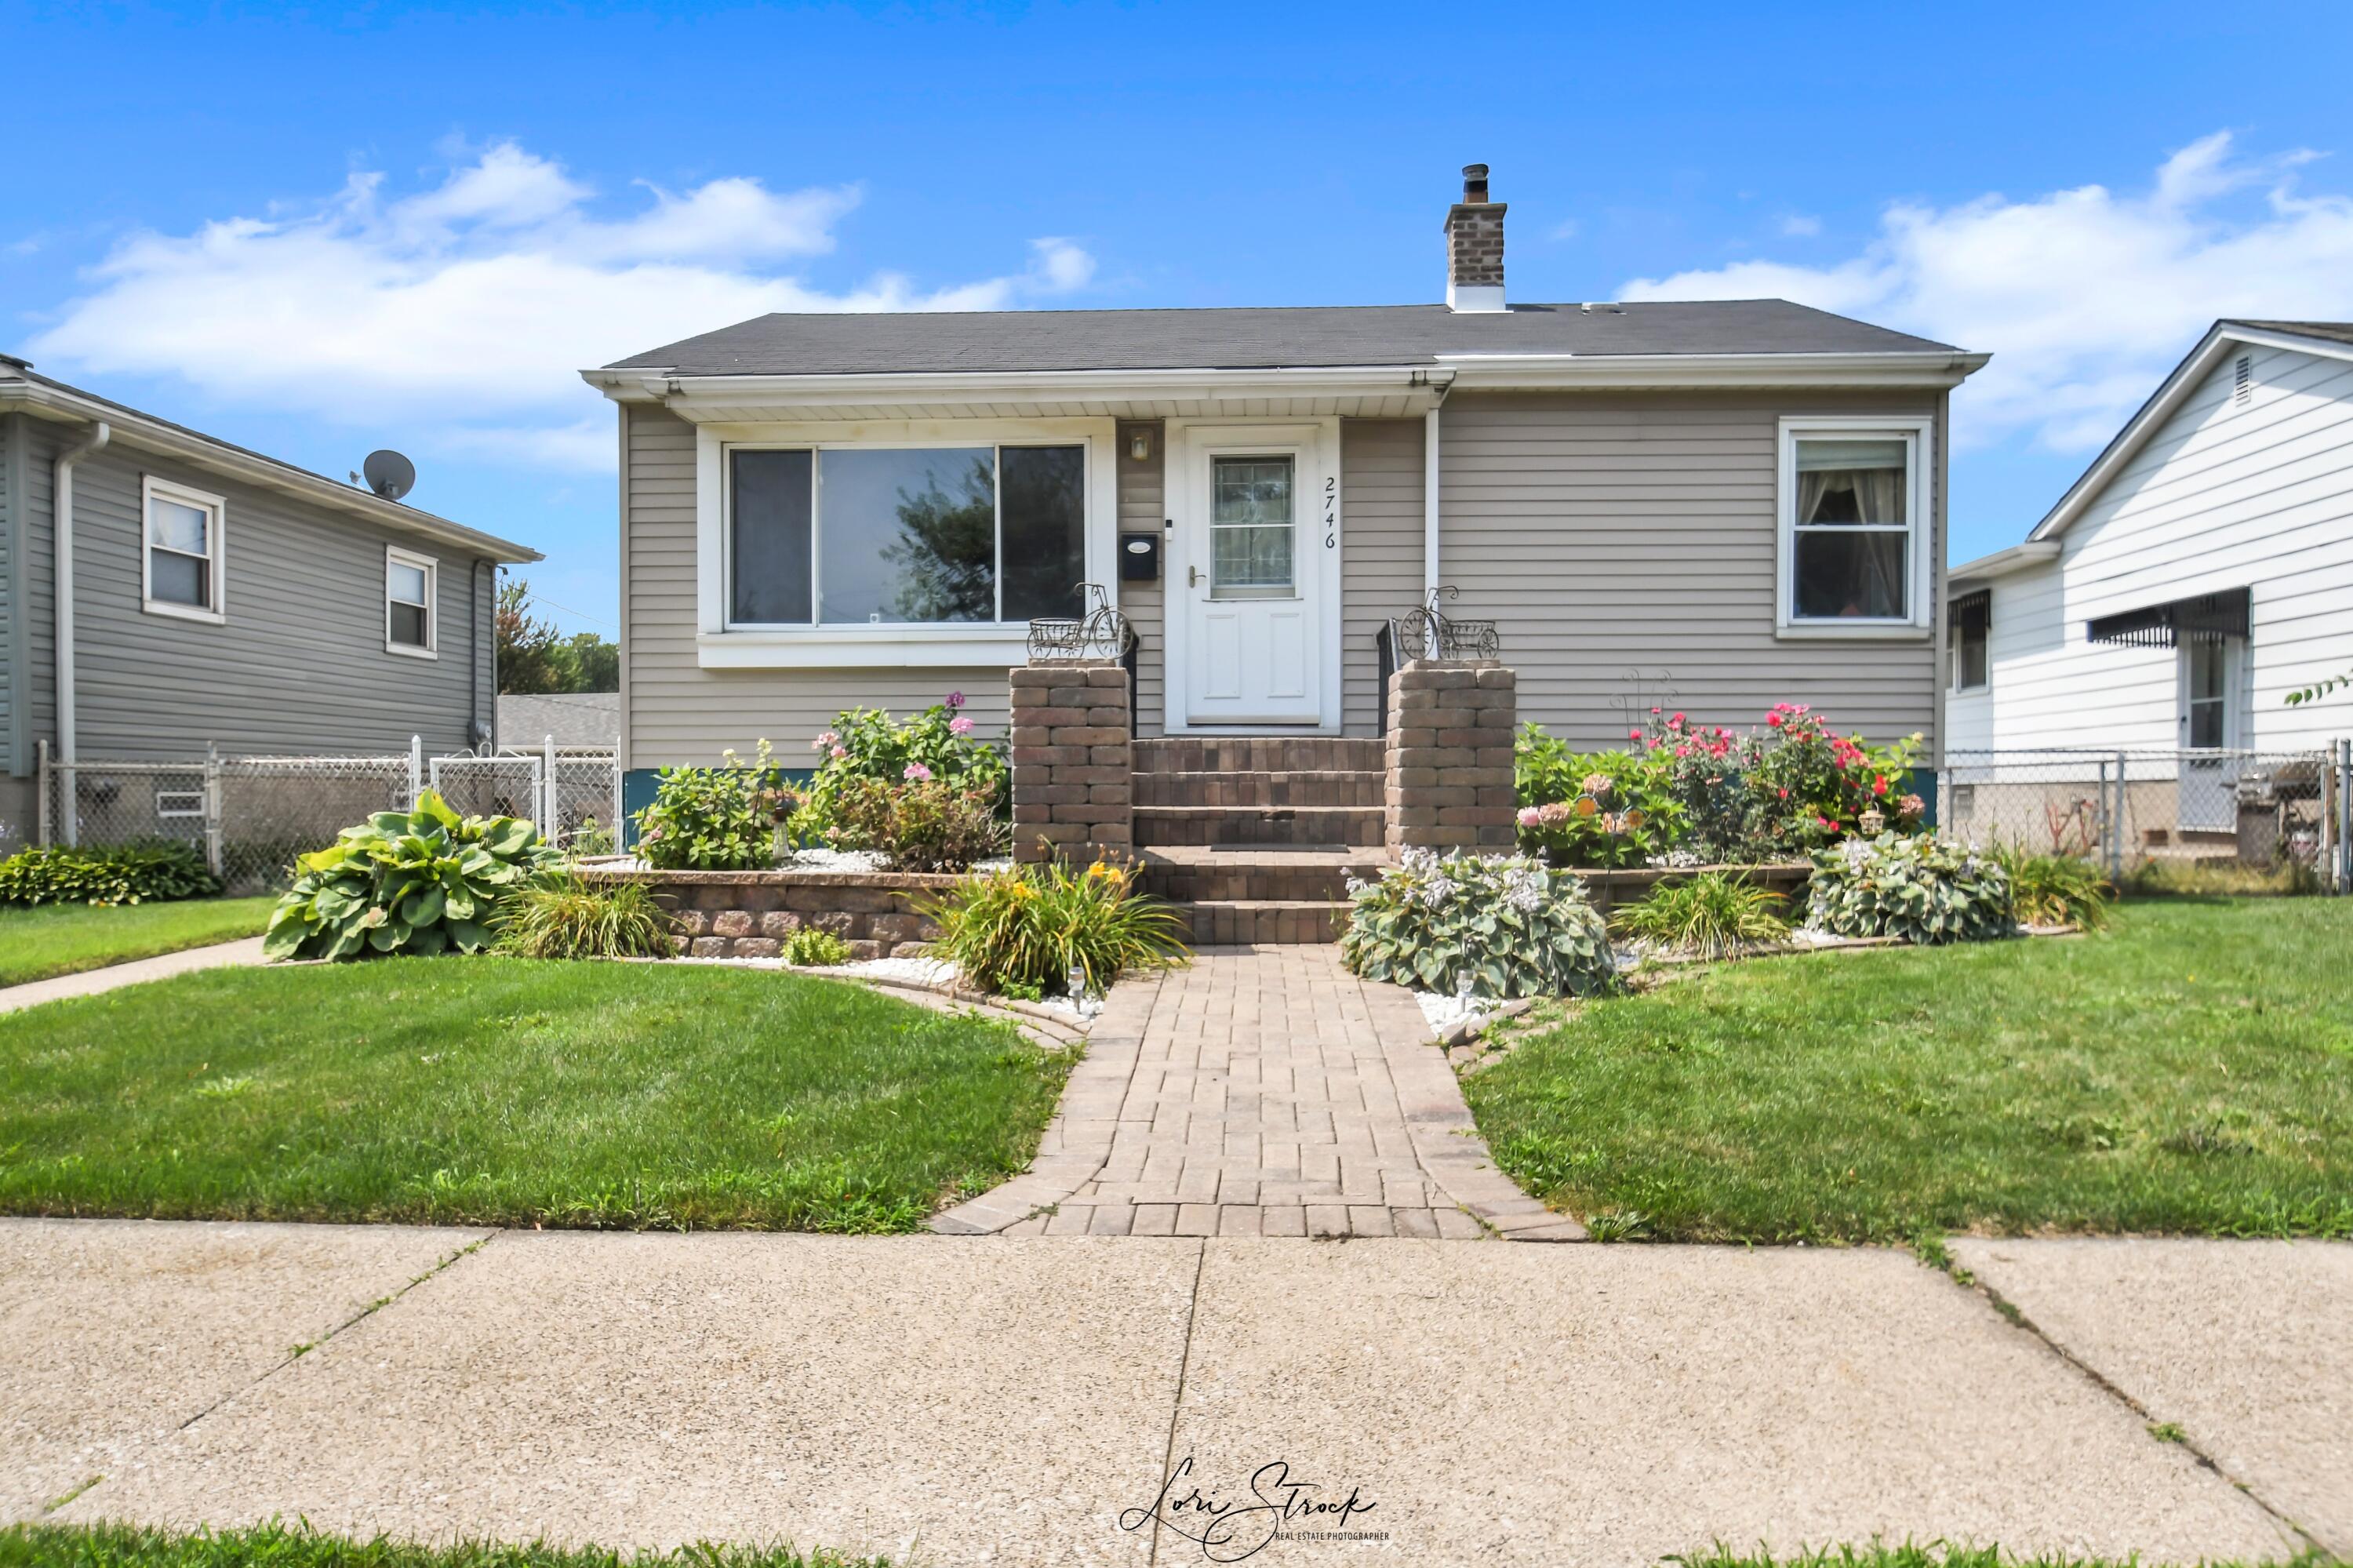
(1073, 761)
(1450, 756)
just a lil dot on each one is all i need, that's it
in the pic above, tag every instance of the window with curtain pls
(905, 535)
(183, 551)
(1852, 528)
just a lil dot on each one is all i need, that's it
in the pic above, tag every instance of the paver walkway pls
(114, 977)
(1263, 1091)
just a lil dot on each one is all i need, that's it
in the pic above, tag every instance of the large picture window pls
(1852, 524)
(904, 535)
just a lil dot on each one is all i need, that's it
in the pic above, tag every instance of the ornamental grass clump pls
(563, 915)
(419, 882)
(1919, 888)
(1040, 930)
(2057, 890)
(1496, 928)
(1715, 915)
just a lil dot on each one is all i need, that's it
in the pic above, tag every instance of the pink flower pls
(956, 699)
(822, 741)
(1774, 718)
(838, 752)
(918, 772)
(1636, 734)
(1677, 719)
(1531, 817)
(959, 725)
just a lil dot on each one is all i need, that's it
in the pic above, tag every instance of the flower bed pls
(751, 914)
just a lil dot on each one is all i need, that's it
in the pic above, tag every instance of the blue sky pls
(319, 229)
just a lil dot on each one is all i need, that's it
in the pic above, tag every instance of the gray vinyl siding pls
(299, 664)
(1625, 543)
(1381, 547)
(679, 713)
(1143, 509)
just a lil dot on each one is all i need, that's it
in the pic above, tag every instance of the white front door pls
(1258, 539)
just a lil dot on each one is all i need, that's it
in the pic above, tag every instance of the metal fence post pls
(41, 827)
(2116, 843)
(2106, 824)
(416, 768)
(548, 819)
(2344, 816)
(212, 802)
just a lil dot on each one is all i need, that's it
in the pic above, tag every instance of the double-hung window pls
(180, 569)
(820, 536)
(408, 603)
(1854, 526)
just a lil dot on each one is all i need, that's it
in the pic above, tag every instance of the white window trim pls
(394, 556)
(1919, 433)
(216, 536)
(722, 646)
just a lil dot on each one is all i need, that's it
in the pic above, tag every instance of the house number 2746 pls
(1331, 511)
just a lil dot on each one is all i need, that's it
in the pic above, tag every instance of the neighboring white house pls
(2200, 571)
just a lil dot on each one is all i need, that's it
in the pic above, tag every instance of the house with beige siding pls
(162, 590)
(1721, 504)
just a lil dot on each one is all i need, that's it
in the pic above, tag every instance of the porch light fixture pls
(1139, 446)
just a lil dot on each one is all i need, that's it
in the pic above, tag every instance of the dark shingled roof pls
(2337, 331)
(1013, 341)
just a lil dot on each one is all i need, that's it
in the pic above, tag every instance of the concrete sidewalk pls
(244, 951)
(952, 1400)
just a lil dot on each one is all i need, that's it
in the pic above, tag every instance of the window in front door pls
(1251, 527)
(2210, 707)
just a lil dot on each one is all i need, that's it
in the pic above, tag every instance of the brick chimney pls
(1474, 247)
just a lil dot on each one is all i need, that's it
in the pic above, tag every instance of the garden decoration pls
(1428, 632)
(1100, 632)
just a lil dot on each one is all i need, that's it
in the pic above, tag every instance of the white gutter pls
(61, 512)
(2003, 563)
(1429, 505)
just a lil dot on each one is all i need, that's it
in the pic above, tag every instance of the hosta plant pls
(425, 881)
(1501, 927)
(120, 874)
(1921, 888)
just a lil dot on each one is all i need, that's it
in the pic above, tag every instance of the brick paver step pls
(1334, 788)
(1263, 922)
(1161, 826)
(1188, 873)
(1261, 754)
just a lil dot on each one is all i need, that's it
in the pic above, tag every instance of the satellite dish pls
(389, 474)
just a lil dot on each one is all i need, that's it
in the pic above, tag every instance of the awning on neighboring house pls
(2202, 617)
(1970, 612)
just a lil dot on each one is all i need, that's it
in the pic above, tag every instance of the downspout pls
(61, 511)
(1428, 503)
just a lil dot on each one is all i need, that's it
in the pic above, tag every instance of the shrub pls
(1512, 927)
(1034, 929)
(930, 825)
(407, 882)
(1597, 809)
(120, 874)
(1715, 915)
(810, 947)
(2056, 889)
(935, 745)
(717, 819)
(1922, 889)
(561, 915)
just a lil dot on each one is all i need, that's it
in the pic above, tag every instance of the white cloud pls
(2084, 297)
(463, 311)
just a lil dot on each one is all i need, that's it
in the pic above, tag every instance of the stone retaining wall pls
(748, 914)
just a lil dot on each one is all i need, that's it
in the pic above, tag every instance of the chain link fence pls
(2126, 811)
(252, 816)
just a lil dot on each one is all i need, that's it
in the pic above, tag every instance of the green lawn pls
(277, 1546)
(66, 939)
(503, 1091)
(2190, 1070)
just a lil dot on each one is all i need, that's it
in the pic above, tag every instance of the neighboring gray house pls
(218, 596)
(1724, 505)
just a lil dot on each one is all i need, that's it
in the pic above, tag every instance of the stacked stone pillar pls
(1450, 756)
(1073, 761)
